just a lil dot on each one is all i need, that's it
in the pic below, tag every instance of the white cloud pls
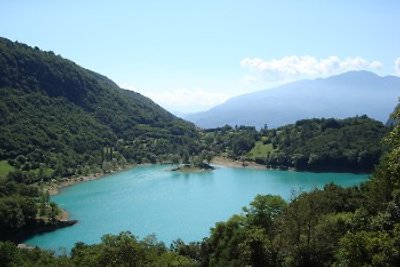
(397, 66)
(187, 101)
(249, 79)
(295, 67)
(181, 101)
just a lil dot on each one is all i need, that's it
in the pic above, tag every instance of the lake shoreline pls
(55, 187)
(229, 162)
(63, 219)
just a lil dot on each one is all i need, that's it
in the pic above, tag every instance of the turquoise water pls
(152, 199)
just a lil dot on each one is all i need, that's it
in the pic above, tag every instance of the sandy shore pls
(237, 163)
(64, 216)
(55, 187)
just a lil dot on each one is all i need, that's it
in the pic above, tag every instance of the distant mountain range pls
(345, 95)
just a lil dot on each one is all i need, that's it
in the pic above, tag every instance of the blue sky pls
(191, 55)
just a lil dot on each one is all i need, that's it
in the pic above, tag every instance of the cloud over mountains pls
(297, 67)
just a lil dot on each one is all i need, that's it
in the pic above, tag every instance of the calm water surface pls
(152, 199)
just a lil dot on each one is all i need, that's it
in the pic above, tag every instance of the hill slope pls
(63, 119)
(352, 144)
(346, 95)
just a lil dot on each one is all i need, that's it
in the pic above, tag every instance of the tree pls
(298, 224)
(197, 161)
(185, 157)
(263, 210)
(175, 159)
(54, 211)
(208, 156)
(370, 248)
(242, 143)
(224, 242)
(256, 249)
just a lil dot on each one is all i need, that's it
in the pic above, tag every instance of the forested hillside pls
(326, 144)
(352, 144)
(59, 119)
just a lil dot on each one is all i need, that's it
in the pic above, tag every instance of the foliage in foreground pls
(114, 250)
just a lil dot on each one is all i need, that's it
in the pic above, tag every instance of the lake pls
(152, 199)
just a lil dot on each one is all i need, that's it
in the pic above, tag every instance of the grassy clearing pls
(5, 168)
(261, 150)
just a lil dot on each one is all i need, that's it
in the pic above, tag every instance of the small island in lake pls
(193, 167)
(186, 163)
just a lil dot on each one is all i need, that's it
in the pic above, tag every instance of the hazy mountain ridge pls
(345, 95)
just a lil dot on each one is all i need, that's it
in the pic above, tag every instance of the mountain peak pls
(344, 95)
(355, 75)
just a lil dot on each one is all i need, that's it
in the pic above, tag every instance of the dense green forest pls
(327, 144)
(58, 119)
(352, 144)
